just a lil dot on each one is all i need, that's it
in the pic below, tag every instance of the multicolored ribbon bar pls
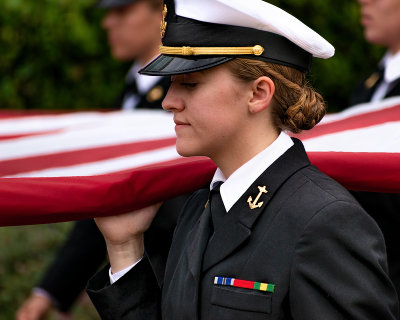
(224, 281)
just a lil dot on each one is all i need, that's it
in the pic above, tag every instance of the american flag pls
(58, 167)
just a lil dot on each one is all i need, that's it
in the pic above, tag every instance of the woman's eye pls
(189, 84)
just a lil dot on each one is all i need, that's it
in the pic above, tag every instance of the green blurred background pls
(54, 55)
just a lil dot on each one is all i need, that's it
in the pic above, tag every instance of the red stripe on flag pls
(49, 200)
(167, 163)
(70, 158)
(24, 135)
(354, 122)
(363, 171)
(18, 114)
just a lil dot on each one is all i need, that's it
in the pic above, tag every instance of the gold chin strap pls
(193, 51)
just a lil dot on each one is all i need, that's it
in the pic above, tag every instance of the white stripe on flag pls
(39, 123)
(361, 109)
(379, 138)
(46, 122)
(107, 166)
(124, 128)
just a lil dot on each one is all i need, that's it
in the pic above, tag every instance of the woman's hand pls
(124, 235)
(36, 307)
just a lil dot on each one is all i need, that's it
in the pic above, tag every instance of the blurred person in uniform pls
(381, 22)
(133, 29)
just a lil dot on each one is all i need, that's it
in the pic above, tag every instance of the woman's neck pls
(245, 150)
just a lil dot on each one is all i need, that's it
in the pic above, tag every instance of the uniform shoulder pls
(328, 188)
(310, 193)
(320, 205)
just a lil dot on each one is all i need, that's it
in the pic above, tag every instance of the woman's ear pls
(263, 90)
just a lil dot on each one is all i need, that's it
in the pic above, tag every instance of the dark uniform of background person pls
(133, 28)
(381, 22)
(308, 237)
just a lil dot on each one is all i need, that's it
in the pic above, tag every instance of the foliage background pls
(54, 55)
(25, 252)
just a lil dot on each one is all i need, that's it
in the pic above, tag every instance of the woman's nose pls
(172, 101)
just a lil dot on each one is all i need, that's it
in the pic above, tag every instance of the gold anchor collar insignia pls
(163, 26)
(255, 204)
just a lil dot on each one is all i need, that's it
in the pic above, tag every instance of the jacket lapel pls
(182, 285)
(241, 218)
(198, 237)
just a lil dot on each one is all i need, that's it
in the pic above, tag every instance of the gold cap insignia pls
(155, 94)
(163, 26)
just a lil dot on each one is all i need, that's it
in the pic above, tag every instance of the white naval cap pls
(256, 14)
(200, 34)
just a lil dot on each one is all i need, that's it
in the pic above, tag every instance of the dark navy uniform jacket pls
(311, 239)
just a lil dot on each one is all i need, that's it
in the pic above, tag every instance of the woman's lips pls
(180, 124)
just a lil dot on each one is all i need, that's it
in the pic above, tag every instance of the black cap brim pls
(109, 4)
(166, 65)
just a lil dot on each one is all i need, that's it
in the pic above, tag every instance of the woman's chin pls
(186, 151)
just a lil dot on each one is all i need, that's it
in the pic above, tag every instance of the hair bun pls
(296, 105)
(308, 111)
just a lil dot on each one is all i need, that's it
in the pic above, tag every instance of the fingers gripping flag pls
(72, 166)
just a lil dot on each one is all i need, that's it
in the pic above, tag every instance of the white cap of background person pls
(201, 34)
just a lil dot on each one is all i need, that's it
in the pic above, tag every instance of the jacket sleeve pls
(384, 209)
(137, 294)
(134, 296)
(339, 269)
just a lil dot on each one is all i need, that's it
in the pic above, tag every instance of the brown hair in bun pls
(297, 106)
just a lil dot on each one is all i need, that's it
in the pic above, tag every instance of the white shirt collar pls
(237, 184)
(391, 63)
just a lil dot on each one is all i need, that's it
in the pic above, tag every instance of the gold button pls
(155, 94)
(258, 50)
